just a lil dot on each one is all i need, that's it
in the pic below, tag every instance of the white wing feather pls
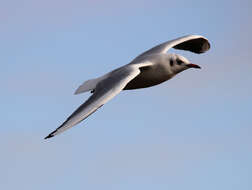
(105, 90)
(193, 43)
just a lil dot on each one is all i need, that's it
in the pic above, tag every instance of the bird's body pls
(154, 74)
(148, 69)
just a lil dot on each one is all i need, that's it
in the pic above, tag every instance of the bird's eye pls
(171, 62)
(179, 62)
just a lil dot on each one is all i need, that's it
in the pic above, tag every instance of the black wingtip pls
(49, 136)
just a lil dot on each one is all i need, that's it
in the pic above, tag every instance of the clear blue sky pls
(192, 132)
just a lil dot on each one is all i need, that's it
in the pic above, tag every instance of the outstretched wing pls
(193, 43)
(104, 91)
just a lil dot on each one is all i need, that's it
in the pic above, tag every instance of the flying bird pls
(150, 68)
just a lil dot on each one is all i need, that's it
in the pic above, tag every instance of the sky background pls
(192, 132)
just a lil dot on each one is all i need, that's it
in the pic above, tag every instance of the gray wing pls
(193, 43)
(104, 91)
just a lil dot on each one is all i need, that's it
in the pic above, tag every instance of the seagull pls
(150, 68)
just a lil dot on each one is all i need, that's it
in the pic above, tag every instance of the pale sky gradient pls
(192, 132)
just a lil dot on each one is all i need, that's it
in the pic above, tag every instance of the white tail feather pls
(87, 86)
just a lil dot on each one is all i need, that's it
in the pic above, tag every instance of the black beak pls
(190, 65)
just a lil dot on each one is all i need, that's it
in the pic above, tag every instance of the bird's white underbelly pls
(147, 78)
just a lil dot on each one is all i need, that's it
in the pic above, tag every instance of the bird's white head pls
(179, 63)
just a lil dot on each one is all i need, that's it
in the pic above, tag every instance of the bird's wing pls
(193, 43)
(104, 91)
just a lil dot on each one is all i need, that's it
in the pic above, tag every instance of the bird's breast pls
(148, 77)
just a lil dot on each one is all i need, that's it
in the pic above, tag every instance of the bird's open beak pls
(190, 65)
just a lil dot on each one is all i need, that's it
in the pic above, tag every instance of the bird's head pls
(179, 63)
